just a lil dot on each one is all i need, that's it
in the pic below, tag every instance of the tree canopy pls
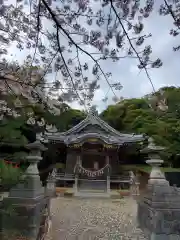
(136, 116)
(128, 116)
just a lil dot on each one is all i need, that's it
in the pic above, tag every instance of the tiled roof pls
(76, 134)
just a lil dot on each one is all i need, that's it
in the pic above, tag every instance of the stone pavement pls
(93, 219)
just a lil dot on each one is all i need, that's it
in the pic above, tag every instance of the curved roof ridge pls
(94, 119)
(76, 126)
(88, 120)
(109, 127)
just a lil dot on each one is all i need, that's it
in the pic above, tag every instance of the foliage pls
(66, 120)
(9, 176)
(16, 109)
(15, 134)
(128, 116)
(136, 116)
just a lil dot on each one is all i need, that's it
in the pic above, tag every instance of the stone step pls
(92, 190)
(91, 195)
(92, 186)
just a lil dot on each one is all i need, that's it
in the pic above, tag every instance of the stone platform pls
(95, 219)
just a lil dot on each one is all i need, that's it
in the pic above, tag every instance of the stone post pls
(27, 198)
(134, 184)
(108, 185)
(50, 189)
(158, 212)
(131, 182)
(76, 185)
(137, 188)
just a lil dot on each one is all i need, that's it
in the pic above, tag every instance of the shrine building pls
(93, 154)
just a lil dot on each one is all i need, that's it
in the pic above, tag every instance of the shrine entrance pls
(93, 179)
(92, 169)
(93, 162)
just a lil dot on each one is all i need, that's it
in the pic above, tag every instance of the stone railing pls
(64, 176)
(119, 178)
(113, 178)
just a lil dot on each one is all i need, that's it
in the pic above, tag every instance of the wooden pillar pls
(76, 185)
(108, 177)
(107, 159)
(78, 161)
(108, 184)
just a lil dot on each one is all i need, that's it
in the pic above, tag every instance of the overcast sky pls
(135, 82)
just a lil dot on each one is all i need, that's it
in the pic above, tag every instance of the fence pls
(113, 178)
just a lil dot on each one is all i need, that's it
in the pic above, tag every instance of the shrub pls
(9, 175)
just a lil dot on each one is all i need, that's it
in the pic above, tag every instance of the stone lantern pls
(32, 173)
(27, 198)
(30, 181)
(156, 175)
(158, 212)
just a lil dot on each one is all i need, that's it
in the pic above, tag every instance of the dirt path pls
(90, 219)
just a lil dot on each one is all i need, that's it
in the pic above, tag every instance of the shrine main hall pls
(94, 155)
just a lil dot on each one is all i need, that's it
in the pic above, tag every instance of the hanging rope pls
(100, 172)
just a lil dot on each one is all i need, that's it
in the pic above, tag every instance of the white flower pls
(41, 123)
(31, 121)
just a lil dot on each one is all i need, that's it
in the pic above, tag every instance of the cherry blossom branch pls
(38, 30)
(74, 43)
(37, 37)
(128, 38)
(60, 51)
(172, 14)
(77, 51)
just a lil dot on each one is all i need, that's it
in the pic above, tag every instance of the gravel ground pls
(92, 219)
